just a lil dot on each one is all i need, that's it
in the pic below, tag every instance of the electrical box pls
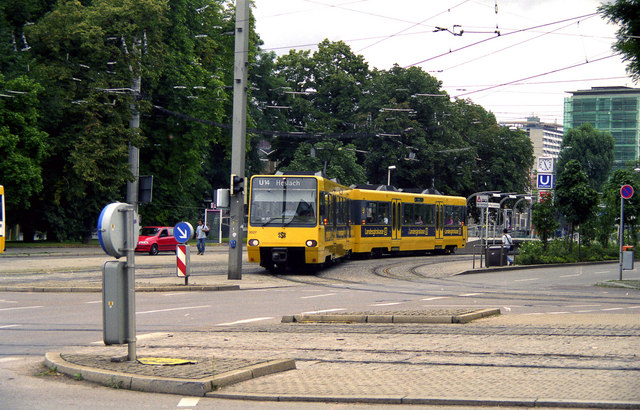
(114, 300)
(222, 198)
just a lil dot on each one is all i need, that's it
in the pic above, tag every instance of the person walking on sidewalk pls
(507, 244)
(201, 234)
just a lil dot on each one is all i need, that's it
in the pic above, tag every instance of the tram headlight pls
(311, 243)
(254, 242)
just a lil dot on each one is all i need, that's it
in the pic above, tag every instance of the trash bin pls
(627, 257)
(496, 256)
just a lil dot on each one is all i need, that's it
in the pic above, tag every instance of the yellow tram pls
(309, 220)
(391, 221)
(297, 220)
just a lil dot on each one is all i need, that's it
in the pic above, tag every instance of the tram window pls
(378, 212)
(370, 211)
(339, 211)
(408, 214)
(322, 208)
(383, 213)
(426, 212)
(454, 215)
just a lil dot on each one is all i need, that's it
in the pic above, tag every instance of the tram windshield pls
(283, 201)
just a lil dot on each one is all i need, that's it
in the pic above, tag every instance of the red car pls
(154, 239)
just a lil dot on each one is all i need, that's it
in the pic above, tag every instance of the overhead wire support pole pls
(132, 199)
(238, 137)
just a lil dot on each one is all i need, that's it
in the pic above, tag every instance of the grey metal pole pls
(132, 199)
(131, 285)
(134, 152)
(621, 232)
(238, 136)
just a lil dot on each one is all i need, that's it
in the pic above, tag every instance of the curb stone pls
(171, 385)
(429, 401)
(373, 318)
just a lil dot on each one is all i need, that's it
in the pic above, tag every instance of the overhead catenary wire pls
(495, 37)
(412, 26)
(535, 76)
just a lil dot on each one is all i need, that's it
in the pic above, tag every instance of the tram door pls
(396, 221)
(439, 223)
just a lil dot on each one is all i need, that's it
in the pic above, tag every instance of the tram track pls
(448, 286)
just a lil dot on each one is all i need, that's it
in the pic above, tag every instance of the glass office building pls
(612, 109)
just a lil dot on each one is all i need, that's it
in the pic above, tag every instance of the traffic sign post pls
(183, 231)
(626, 192)
(183, 256)
(118, 230)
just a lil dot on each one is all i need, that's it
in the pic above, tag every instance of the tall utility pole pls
(238, 137)
(132, 199)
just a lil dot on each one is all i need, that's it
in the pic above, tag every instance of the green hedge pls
(533, 253)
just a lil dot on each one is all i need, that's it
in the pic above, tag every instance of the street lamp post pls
(389, 173)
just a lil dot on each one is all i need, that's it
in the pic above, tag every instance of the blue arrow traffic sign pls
(183, 231)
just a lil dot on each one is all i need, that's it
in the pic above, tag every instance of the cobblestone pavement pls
(573, 359)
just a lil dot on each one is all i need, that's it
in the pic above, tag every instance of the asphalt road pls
(34, 323)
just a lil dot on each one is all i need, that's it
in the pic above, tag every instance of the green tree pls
(575, 197)
(626, 14)
(186, 156)
(340, 161)
(23, 147)
(593, 149)
(543, 217)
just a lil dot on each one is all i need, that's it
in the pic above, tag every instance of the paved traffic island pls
(193, 377)
(425, 316)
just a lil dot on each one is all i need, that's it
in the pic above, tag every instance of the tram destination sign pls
(284, 182)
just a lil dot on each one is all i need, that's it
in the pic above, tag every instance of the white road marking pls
(526, 280)
(174, 293)
(9, 359)
(188, 402)
(20, 308)
(558, 313)
(322, 311)
(173, 309)
(469, 294)
(154, 335)
(606, 310)
(238, 322)
(602, 272)
(317, 296)
(8, 301)
(386, 304)
(435, 298)
(139, 337)
(586, 311)
(633, 307)
(8, 326)
(569, 276)
(93, 302)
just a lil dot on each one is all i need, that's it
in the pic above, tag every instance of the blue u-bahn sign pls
(546, 181)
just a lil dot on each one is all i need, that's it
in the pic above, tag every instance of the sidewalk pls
(510, 360)
(582, 361)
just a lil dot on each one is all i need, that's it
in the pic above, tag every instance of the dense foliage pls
(65, 141)
(559, 251)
